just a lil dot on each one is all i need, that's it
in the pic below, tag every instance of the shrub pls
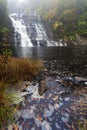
(17, 69)
(6, 101)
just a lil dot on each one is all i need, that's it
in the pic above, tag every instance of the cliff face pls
(10, 33)
(7, 34)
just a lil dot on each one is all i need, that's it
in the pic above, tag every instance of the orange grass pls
(18, 69)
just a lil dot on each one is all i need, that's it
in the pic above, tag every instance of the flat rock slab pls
(55, 110)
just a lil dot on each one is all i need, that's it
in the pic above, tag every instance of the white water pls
(20, 28)
(21, 36)
(41, 34)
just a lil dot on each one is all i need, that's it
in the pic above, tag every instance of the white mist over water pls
(20, 1)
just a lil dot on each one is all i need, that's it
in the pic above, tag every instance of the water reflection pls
(73, 59)
(51, 53)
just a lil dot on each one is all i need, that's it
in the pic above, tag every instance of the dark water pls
(73, 59)
(51, 53)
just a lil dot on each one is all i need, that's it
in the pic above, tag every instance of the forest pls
(66, 18)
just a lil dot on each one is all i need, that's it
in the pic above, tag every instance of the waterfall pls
(41, 34)
(34, 34)
(20, 31)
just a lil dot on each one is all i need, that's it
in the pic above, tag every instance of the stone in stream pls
(34, 42)
(85, 83)
(43, 42)
(42, 87)
(80, 80)
(72, 81)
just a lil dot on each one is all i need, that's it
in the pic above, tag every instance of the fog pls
(18, 5)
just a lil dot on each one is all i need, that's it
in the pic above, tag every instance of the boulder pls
(42, 87)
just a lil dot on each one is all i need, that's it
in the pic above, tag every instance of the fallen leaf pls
(15, 127)
(39, 118)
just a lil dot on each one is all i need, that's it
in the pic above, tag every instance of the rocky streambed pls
(52, 101)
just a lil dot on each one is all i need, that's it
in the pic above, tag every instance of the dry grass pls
(18, 69)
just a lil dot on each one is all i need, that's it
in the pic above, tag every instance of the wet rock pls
(80, 80)
(33, 128)
(46, 126)
(43, 42)
(48, 113)
(85, 83)
(57, 126)
(34, 42)
(67, 99)
(68, 83)
(24, 90)
(65, 119)
(59, 80)
(64, 94)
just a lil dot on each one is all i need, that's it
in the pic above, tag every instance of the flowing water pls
(20, 32)
(31, 32)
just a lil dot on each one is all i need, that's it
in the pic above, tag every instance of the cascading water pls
(41, 34)
(20, 31)
(32, 35)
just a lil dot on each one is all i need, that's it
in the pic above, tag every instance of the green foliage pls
(6, 53)
(3, 30)
(56, 25)
(72, 14)
(82, 124)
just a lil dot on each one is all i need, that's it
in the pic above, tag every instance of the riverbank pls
(62, 106)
